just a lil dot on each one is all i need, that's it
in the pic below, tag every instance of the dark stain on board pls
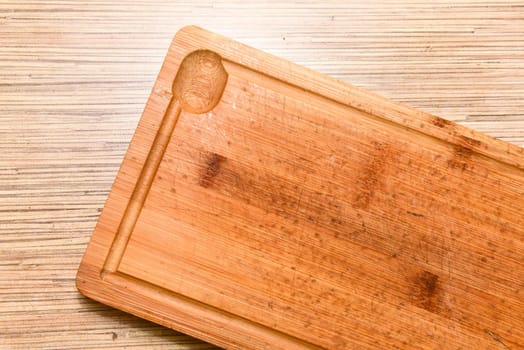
(462, 153)
(212, 163)
(425, 291)
(469, 142)
(369, 178)
(460, 158)
(418, 215)
(496, 338)
(272, 194)
(440, 122)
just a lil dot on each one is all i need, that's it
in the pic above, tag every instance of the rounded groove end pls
(200, 81)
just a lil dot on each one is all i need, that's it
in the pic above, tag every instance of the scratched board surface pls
(314, 223)
(324, 220)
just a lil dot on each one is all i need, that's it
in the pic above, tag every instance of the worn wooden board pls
(263, 205)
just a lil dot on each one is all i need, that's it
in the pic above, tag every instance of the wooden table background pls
(75, 76)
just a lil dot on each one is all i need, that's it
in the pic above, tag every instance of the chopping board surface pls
(265, 206)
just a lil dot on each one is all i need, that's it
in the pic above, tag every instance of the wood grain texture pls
(74, 78)
(293, 211)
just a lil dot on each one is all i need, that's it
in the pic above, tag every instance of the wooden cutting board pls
(262, 205)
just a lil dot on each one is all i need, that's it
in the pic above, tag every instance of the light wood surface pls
(75, 76)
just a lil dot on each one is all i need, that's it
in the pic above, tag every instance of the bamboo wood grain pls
(74, 78)
(293, 211)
